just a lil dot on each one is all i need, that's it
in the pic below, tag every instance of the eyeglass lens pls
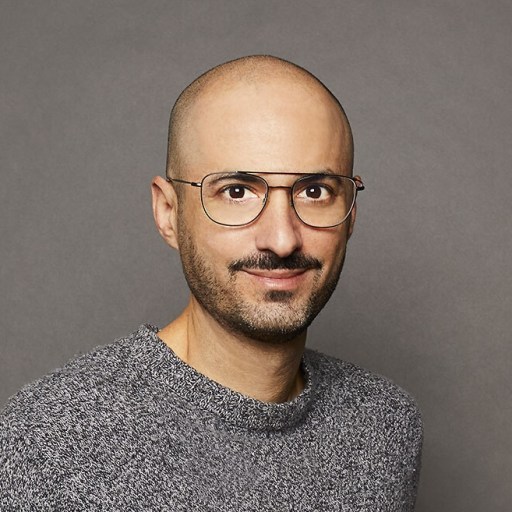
(235, 199)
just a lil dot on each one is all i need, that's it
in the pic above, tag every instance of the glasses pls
(238, 198)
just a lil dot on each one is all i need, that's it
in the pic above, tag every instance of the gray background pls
(425, 297)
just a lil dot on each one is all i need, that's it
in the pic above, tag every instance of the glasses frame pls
(358, 185)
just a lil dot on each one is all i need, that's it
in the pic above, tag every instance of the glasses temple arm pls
(191, 183)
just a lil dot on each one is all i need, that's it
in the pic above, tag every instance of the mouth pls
(278, 279)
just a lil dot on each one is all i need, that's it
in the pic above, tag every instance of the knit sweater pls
(130, 426)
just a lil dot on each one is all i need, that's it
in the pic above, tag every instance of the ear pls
(165, 210)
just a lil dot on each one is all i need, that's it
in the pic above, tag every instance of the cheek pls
(218, 245)
(226, 244)
(328, 246)
(194, 227)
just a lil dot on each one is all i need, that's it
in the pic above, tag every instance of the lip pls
(280, 279)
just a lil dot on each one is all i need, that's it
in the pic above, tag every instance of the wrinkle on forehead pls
(252, 73)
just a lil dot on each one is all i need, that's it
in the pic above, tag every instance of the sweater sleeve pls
(27, 480)
(412, 461)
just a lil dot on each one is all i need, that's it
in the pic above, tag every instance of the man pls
(224, 408)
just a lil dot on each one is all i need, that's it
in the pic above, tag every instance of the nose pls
(278, 227)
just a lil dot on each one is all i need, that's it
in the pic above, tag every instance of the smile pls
(279, 279)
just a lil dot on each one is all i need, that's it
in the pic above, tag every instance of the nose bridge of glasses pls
(282, 187)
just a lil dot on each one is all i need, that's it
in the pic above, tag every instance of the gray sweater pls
(130, 427)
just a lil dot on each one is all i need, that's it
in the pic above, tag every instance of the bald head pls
(253, 80)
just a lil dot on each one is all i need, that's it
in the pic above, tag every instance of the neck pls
(264, 371)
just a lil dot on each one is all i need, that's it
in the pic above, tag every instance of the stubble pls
(279, 316)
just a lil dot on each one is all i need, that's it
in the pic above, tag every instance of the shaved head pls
(252, 71)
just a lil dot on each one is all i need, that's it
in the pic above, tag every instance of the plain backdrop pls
(425, 297)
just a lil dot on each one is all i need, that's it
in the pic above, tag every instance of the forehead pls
(278, 125)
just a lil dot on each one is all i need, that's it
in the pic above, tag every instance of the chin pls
(271, 335)
(275, 321)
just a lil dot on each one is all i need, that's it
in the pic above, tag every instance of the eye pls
(314, 191)
(237, 192)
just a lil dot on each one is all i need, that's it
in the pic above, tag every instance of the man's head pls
(267, 279)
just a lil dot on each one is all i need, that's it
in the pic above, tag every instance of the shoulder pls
(88, 383)
(365, 397)
(373, 425)
(57, 417)
(72, 381)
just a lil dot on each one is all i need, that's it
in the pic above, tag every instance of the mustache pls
(271, 261)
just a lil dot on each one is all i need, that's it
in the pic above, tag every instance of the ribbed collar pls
(197, 389)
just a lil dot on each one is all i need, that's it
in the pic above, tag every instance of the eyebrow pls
(234, 174)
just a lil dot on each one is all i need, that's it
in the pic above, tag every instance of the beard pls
(279, 316)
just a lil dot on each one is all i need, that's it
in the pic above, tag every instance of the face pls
(269, 279)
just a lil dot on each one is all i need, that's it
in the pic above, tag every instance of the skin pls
(279, 121)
